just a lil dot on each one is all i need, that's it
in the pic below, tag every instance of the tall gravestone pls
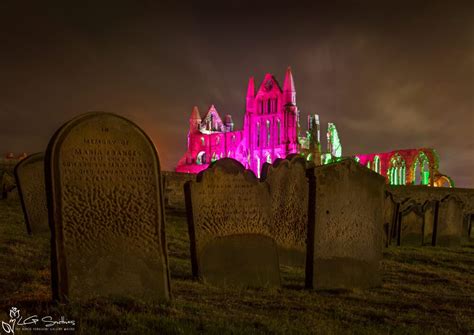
(450, 222)
(29, 175)
(105, 205)
(289, 197)
(345, 239)
(230, 227)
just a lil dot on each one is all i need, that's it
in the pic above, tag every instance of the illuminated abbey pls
(272, 130)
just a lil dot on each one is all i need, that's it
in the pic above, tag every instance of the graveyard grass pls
(425, 290)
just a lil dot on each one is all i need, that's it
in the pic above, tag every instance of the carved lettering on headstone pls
(106, 210)
(289, 196)
(229, 227)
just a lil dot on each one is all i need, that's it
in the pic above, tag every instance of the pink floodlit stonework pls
(270, 129)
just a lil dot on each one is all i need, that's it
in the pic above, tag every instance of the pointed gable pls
(269, 85)
(212, 121)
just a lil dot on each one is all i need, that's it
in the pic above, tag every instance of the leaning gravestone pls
(29, 175)
(450, 222)
(289, 193)
(411, 230)
(229, 227)
(345, 239)
(105, 203)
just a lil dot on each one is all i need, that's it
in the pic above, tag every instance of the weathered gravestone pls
(105, 204)
(411, 228)
(229, 227)
(429, 209)
(450, 222)
(289, 197)
(29, 175)
(345, 239)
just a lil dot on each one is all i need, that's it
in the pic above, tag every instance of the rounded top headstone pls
(105, 203)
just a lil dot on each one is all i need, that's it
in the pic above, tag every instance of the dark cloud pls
(389, 74)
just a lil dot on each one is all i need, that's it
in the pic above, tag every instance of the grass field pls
(425, 291)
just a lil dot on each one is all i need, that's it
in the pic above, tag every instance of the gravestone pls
(465, 238)
(29, 175)
(450, 222)
(389, 218)
(229, 227)
(345, 238)
(105, 204)
(411, 229)
(428, 222)
(173, 189)
(289, 197)
(7, 185)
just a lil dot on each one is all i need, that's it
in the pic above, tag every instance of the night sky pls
(390, 74)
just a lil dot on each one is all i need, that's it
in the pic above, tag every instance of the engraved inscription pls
(111, 210)
(229, 204)
(289, 192)
(232, 240)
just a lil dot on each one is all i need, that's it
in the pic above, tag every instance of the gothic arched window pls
(258, 133)
(377, 164)
(278, 132)
(268, 133)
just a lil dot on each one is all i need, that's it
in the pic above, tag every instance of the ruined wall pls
(421, 194)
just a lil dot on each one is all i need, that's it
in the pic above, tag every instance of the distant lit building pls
(272, 130)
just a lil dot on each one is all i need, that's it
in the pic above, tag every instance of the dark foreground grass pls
(425, 291)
